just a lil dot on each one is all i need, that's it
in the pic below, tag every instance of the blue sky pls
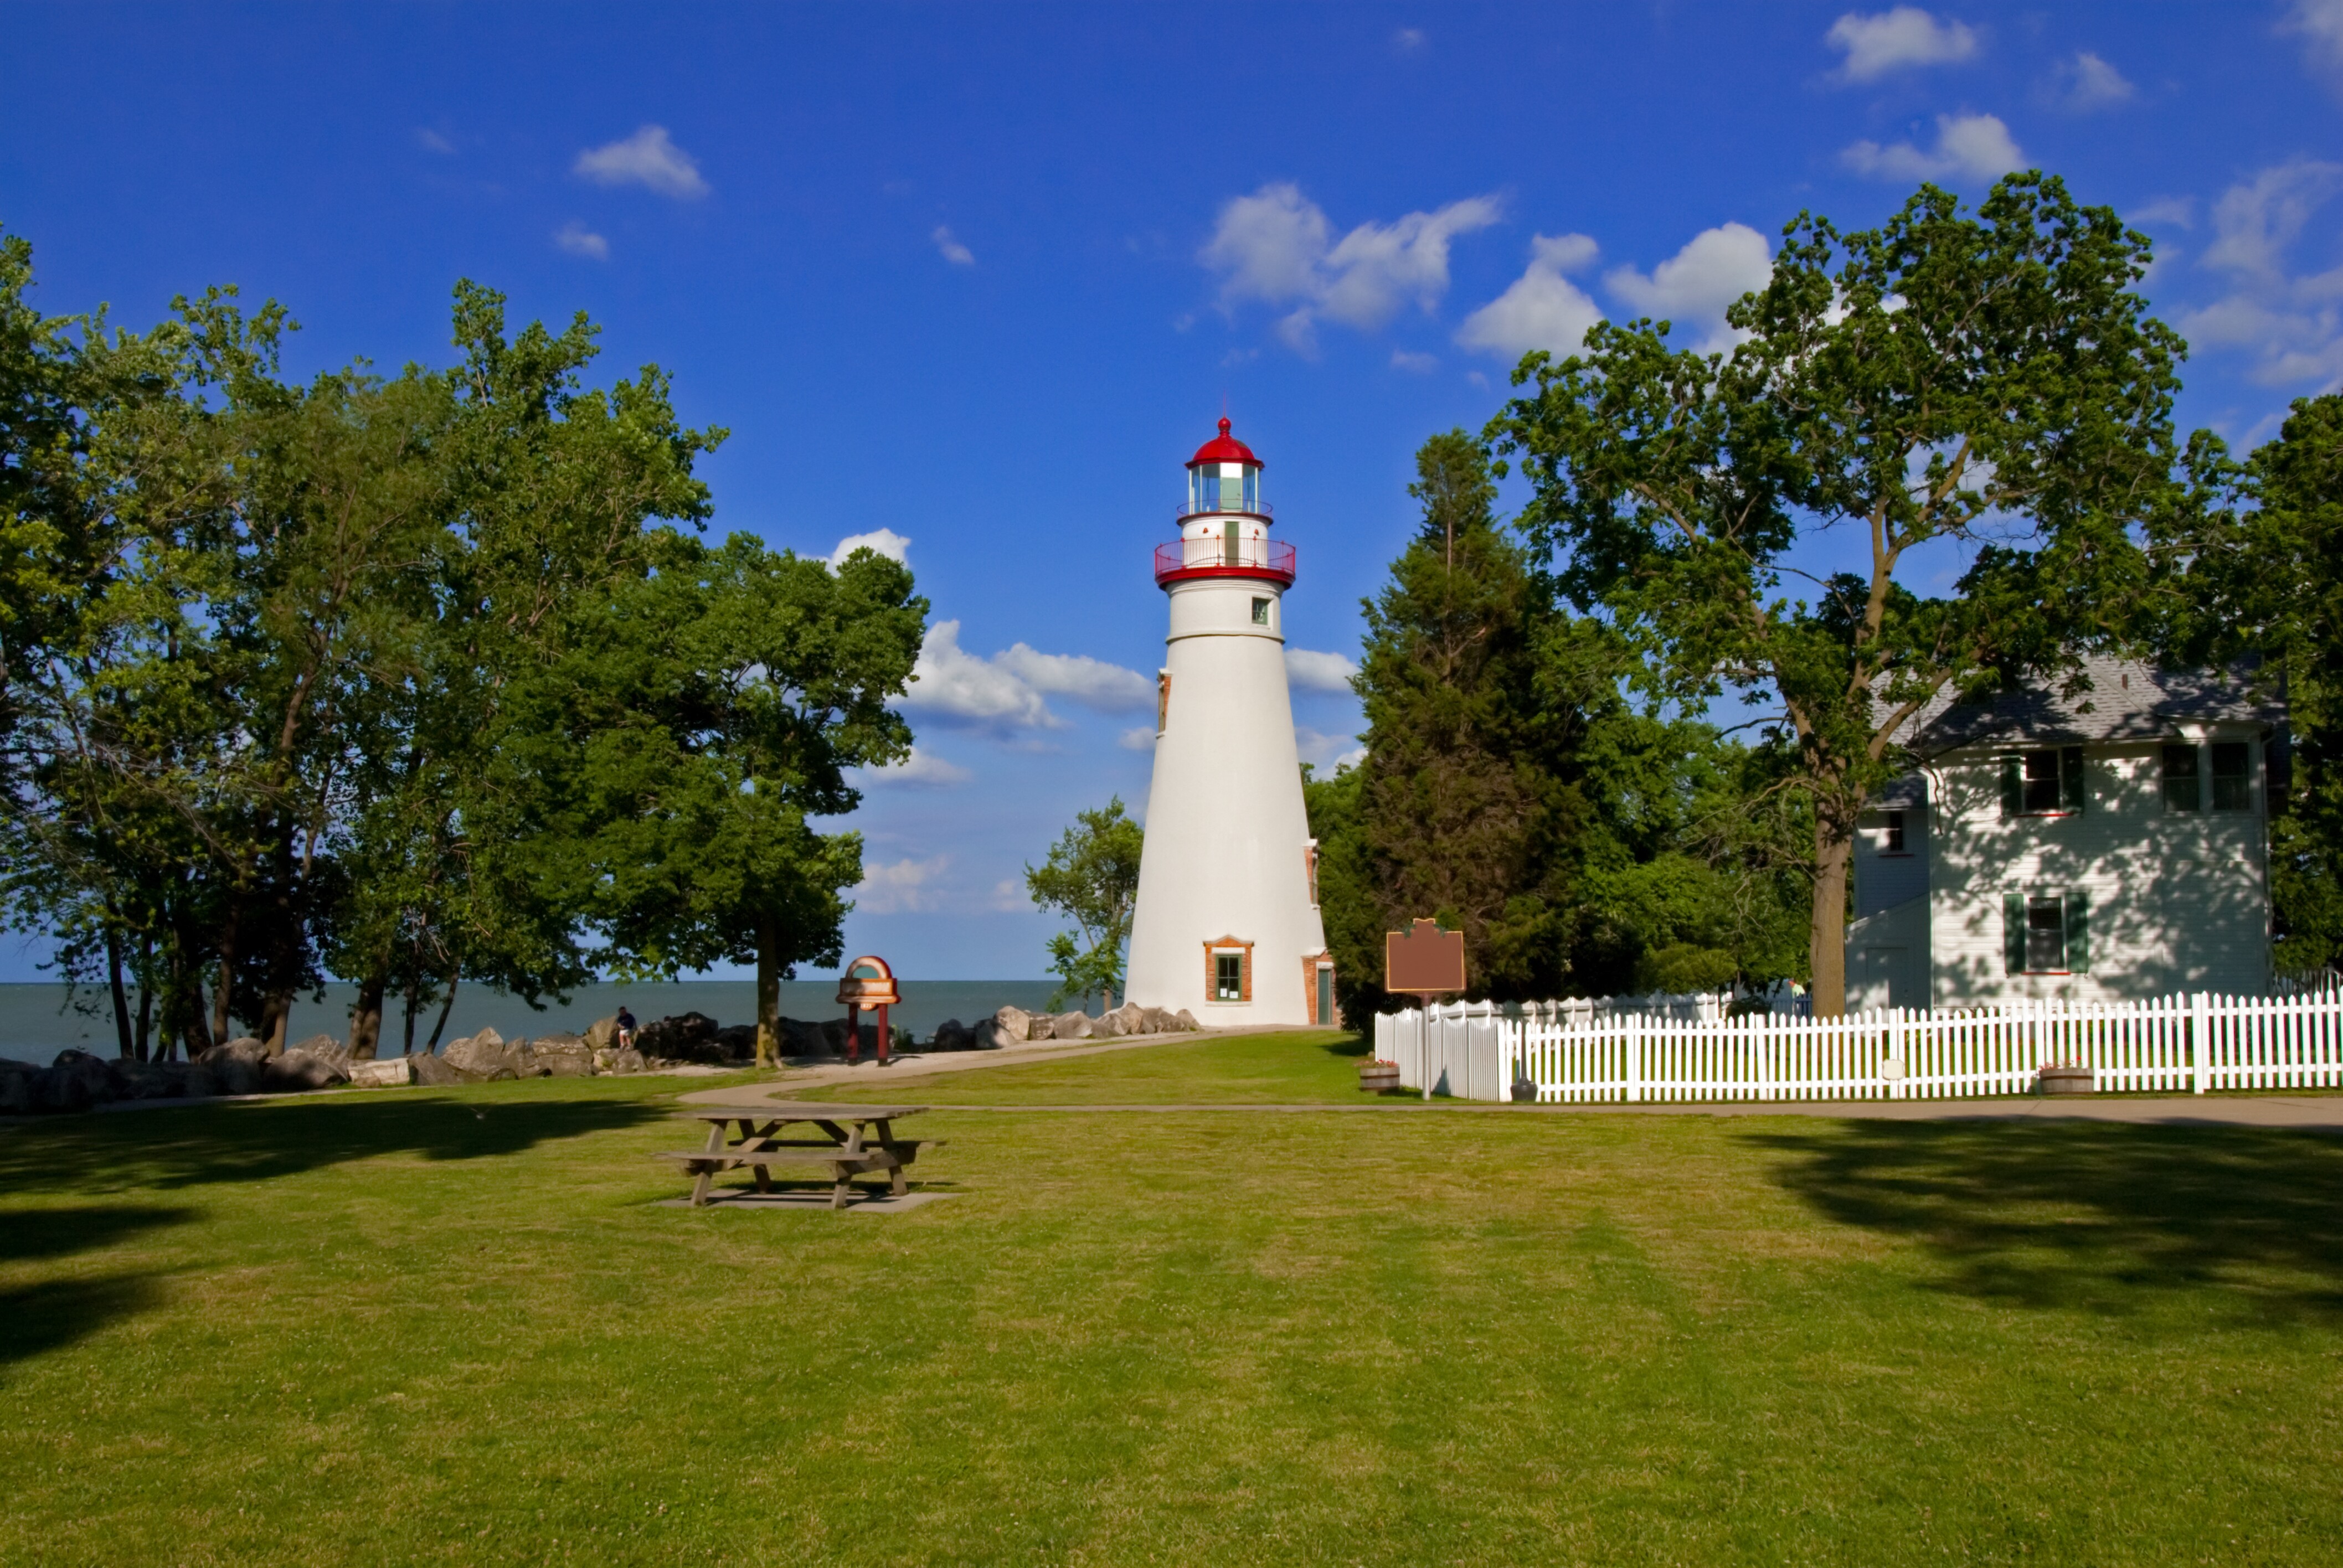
(982, 278)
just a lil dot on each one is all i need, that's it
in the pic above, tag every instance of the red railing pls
(1182, 559)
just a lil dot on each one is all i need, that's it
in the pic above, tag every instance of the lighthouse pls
(1227, 924)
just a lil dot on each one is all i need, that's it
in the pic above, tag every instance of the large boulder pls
(434, 1072)
(297, 1069)
(1106, 1026)
(684, 1037)
(230, 1068)
(1016, 1023)
(324, 1048)
(1073, 1025)
(390, 1072)
(1160, 1021)
(992, 1034)
(20, 1087)
(251, 1047)
(561, 1055)
(602, 1034)
(737, 1042)
(1129, 1019)
(482, 1058)
(953, 1035)
(612, 1058)
(1184, 1022)
(76, 1081)
(148, 1080)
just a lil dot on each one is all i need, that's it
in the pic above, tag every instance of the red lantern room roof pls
(1224, 448)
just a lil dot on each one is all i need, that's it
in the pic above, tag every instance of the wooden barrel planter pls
(2065, 1081)
(1378, 1077)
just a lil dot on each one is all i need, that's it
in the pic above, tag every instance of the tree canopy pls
(1091, 878)
(1984, 389)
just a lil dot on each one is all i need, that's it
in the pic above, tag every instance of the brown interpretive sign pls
(1423, 960)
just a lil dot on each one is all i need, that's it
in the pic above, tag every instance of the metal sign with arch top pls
(1424, 960)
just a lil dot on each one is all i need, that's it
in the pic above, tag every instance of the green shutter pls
(2013, 788)
(2078, 931)
(2070, 778)
(2013, 933)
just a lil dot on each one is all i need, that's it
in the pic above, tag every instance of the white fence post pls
(2200, 1029)
(1635, 1056)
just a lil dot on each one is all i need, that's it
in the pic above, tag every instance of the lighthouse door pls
(1325, 994)
(1229, 544)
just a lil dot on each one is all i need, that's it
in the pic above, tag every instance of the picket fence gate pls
(2192, 1043)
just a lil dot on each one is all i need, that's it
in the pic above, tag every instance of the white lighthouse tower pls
(1227, 921)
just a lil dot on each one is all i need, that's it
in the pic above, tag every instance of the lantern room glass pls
(1224, 487)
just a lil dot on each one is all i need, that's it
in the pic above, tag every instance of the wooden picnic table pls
(853, 1140)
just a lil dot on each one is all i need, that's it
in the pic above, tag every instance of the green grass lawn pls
(1315, 1068)
(452, 1327)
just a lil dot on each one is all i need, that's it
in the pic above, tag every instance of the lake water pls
(35, 1022)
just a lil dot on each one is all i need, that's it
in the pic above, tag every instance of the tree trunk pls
(145, 992)
(414, 994)
(769, 991)
(366, 1018)
(226, 971)
(446, 1008)
(113, 985)
(276, 1019)
(1827, 956)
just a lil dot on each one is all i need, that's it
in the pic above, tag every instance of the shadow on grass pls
(2105, 1219)
(174, 1149)
(52, 1313)
(1354, 1046)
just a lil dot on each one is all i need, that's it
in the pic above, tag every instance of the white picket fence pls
(2189, 1044)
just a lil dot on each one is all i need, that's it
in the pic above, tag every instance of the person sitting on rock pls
(626, 1022)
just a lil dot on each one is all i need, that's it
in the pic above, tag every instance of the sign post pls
(1427, 963)
(867, 983)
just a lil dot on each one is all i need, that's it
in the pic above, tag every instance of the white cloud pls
(1697, 285)
(921, 770)
(1314, 671)
(1541, 309)
(1276, 246)
(1416, 364)
(2291, 326)
(2180, 212)
(1093, 682)
(1326, 752)
(1896, 40)
(431, 141)
(1007, 692)
(1408, 40)
(950, 249)
(1974, 146)
(2090, 83)
(886, 541)
(1010, 896)
(647, 158)
(2319, 24)
(905, 886)
(1140, 739)
(578, 240)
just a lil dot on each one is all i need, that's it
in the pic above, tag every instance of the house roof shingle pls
(2126, 701)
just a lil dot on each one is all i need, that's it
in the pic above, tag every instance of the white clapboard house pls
(2108, 846)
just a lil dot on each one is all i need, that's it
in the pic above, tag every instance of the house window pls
(2045, 936)
(2233, 776)
(2046, 933)
(2042, 783)
(1261, 612)
(2181, 779)
(1895, 843)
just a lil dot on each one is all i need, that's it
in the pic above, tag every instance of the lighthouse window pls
(1261, 612)
(1227, 976)
(1253, 489)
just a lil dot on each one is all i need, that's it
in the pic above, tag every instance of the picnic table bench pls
(854, 1141)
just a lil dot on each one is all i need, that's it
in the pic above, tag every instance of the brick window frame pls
(1212, 951)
